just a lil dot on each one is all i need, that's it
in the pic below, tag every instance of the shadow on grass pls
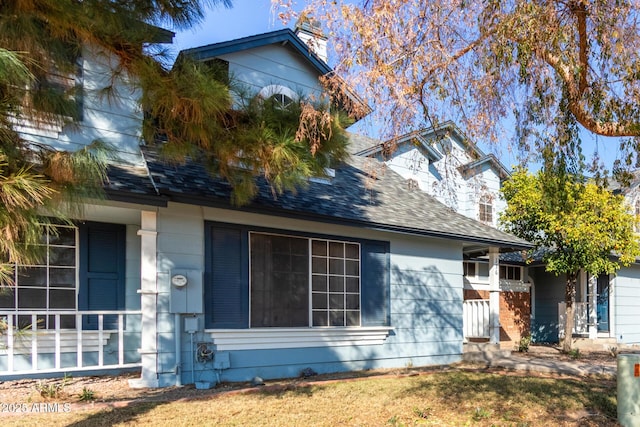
(286, 390)
(117, 415)
(505, 393)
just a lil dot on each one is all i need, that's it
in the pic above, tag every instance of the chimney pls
(310, 31)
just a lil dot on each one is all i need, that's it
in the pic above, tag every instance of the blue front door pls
(102, 271)
(603, 303)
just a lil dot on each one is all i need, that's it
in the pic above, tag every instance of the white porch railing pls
(475, 321)
(580, 318)
(27, 348)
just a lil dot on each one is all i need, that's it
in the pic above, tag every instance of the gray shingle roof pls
(358, 143)
(353, 197)
(132, 184)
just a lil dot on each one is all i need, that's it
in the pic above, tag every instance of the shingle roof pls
(359, 143)
(353, 198)
(132, 184)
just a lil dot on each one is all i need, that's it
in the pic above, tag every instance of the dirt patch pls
(96, 389)
(608, 358)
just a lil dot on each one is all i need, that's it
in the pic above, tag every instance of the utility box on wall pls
(629, 389)
(186, 291)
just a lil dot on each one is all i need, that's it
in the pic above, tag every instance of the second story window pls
(58, 90)
(281, 95)
(485, 213)
(282, 100)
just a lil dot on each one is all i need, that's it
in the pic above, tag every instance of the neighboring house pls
(445, 164)
(607, 308)
(167, 276)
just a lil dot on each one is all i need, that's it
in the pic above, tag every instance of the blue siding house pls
(354, 272)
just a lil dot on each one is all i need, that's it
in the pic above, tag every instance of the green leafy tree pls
(578, 225)
(189, 109)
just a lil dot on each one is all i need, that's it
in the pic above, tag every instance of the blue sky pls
(246, 18)
(249, 17)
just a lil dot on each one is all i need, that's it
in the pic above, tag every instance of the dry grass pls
(451, 397)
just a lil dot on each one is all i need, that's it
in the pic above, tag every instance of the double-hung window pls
(485, 206)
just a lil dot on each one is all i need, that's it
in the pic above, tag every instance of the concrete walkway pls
(545, 360)
(537, 364)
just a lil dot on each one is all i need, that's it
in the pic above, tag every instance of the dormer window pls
(281, 95)
(485, 213)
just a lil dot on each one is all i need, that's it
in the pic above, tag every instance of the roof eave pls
(264, 210)
(491, 159)
(284, 36)
(274, 37)
(136, 198)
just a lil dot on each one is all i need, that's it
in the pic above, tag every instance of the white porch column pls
(148, 299)
(592, 294)
(494, 295)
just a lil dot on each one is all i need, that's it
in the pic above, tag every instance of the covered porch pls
(79, 309)
(497, 300)
(39, 342)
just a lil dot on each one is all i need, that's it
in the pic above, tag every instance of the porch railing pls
(475, 321)
(61, 341)
(580, 318)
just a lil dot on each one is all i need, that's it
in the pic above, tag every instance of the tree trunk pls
(569, 297)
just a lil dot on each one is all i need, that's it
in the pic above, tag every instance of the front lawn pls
(442, 398)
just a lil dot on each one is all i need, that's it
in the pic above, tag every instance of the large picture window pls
(279, 281)
(298, 282)
(264, 278)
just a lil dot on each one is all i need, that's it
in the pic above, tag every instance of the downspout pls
(178, 343)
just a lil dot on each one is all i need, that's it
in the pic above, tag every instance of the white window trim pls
(277, 338)
(269, 91)
(508, 267)
(476, 282)
(486, 202)
(48, 311)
